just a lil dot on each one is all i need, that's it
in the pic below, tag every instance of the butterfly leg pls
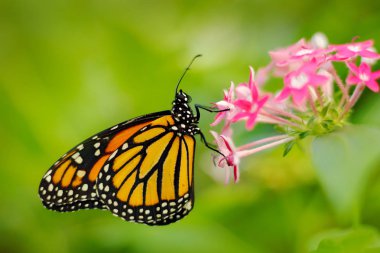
(203, 138)
(208, 145)
(207, 108)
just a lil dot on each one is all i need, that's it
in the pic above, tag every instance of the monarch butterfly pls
(141, 169)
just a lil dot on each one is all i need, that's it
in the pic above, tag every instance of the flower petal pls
(369, 54)
(354, 69)
(299, 96)
(352, 79)
(285, 93)
(364, 68)
(236, 173)
(373, 85)
(251, 121)
(376, 74)
(243, 104)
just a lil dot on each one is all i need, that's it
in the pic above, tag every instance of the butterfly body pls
(141, 170)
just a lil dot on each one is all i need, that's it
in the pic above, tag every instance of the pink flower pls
(297, 83)
(370, 61)
(249, 102)
(346, 51)
(363, 75)
(313, 89)
(226, 103)
(282, 59)
(291, 58)
(230, 158)
(281, 56)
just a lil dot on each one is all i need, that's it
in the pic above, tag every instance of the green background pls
(69, 69)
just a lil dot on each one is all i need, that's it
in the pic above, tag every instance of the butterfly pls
(141, 170)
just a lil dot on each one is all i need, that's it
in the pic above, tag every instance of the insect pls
(141, 170)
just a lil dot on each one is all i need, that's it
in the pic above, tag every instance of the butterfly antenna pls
(184, 73)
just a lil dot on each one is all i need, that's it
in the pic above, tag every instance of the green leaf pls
(325, 110)
(310, 122)
(358, 240)
(304, 134)
(344, 161)
(288, 147)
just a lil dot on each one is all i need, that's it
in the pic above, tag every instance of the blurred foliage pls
(344, 163)
(69, 69)
(357, 240)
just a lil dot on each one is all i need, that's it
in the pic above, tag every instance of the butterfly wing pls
(149, 178)
(70, 184)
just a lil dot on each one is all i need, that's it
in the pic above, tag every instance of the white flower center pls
(303, 52)
(363, 77)
(354, 48)
(299, 81)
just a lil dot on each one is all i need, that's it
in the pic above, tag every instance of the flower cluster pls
(314, 99)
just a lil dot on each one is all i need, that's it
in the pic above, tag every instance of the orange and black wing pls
(149, 178)
(70, 184)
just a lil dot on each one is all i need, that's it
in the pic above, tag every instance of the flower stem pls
(319, 97)
(244, 153)
(262, 141)
(278, 120)
(283, 113)
(342, 87)
(312, 105)
(354, 98)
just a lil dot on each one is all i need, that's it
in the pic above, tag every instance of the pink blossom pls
(230, 158)
(281, 58)
(249, 102)
(282, 55)
(346, 51)
(363, 75)
(291, 58)
(309, 75)
(297, 83)
(226, 103)
(370, 61)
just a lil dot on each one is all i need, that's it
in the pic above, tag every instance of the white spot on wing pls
(48, 173)
(125, 146)
(81, 173)
(113, 155)
(106, 167)
(85, 187)
(188, 205)
(79, 160)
